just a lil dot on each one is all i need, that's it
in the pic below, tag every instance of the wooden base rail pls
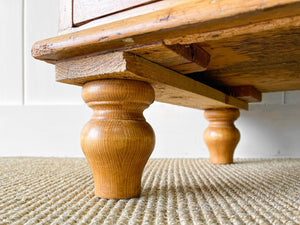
(117, 141)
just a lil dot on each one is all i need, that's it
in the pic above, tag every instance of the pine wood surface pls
(184, 59)
(249, 42)
(265, 58)
(170, 22)
(170, 86)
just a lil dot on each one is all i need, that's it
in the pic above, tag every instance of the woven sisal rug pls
(175, 191)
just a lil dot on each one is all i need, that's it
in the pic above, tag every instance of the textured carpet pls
(175, 191)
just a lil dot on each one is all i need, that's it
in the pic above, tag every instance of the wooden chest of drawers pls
(216, 55)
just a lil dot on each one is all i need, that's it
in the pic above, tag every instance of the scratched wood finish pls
(170, 86)
(117, 141)
(263, 54)
(84, 11)
(221, 136)
(266, 59)
(181, 58)
(170, 22)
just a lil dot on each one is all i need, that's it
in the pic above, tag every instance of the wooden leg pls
(117, 141)
(221, 136)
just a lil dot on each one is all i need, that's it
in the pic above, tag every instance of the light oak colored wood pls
(221, 136)
(247, 93)
(256, 45)
(128, 13)
(84, 11)
(181, 58)
(117, 141)
(283, 21)
(170, 22)
(265, 55)
(170, 86)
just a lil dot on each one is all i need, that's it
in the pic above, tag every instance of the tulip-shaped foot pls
(117, 141)
(221, 136)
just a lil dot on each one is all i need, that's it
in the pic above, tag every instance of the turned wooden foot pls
(117, 141)
(221, 136)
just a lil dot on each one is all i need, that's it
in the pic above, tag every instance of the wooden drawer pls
(84, 11)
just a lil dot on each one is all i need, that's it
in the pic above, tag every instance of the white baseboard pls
(267, 131)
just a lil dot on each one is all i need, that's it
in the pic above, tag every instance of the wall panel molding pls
(11, 45)
(41, 21)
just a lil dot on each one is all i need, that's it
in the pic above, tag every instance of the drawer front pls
(84, 11)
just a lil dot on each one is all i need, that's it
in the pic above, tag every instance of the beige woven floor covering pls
(175, 191)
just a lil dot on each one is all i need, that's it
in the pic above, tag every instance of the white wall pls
(39, 117)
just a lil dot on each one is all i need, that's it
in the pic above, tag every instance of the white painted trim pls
(266, 132)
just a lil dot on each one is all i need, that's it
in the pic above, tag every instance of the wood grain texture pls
(84, 11)
(181, 58)
(169, 22)
(170, 86)
(221, 136)
(128, 13)
(265, 58)
(246, 93)
(281, 22)
(117, 141)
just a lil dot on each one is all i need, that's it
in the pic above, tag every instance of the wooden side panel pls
(87, 10)
(65, 15)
